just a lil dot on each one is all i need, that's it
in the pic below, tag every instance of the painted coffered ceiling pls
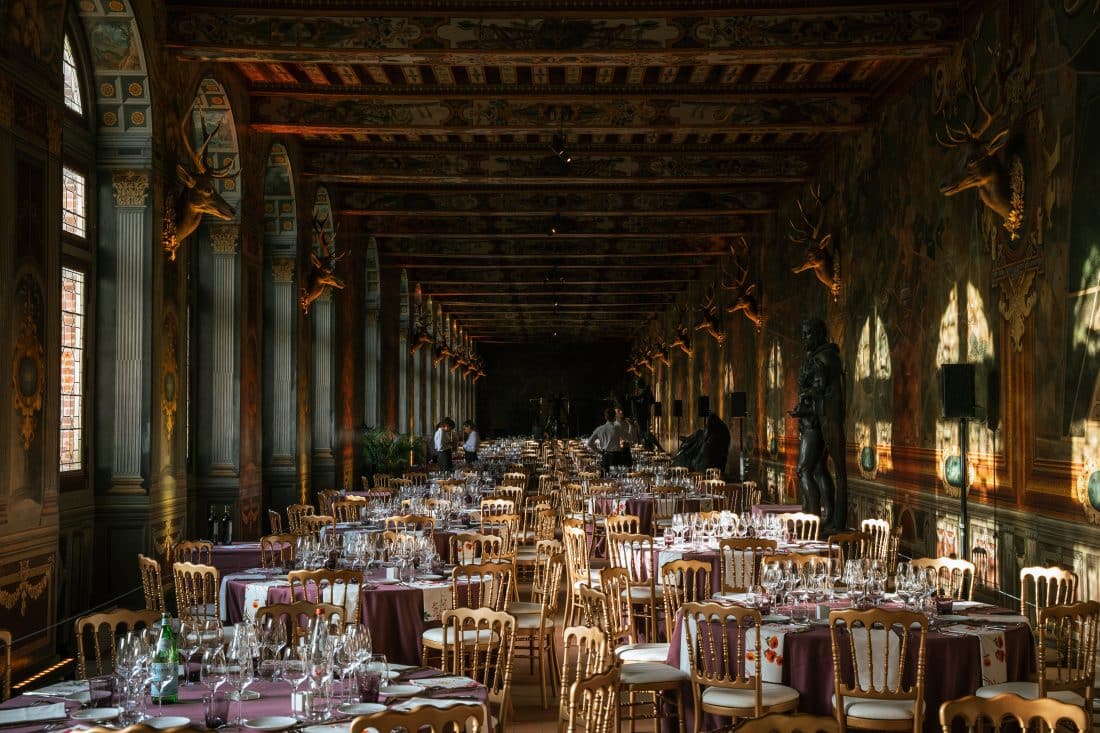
(439, 124)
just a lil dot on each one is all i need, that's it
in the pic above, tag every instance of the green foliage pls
(385, 451)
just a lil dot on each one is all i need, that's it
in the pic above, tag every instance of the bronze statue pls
(198, 193)
(820, 413)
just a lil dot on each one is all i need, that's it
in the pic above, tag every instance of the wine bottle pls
(212, 526)
(165, 666)
(227, 527)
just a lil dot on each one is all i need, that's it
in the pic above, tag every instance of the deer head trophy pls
(747, 301)
(683, 332)
(460, 360)
(478, 365)
(442, 351)
(422, 328)
(661, 354)
(978, 166)
(711, 320)
(322, 269)
(198, 192)
(821, 256)
(472, 363)
(634, 362)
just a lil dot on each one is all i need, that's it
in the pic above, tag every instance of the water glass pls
(101, 691)
(215, 708)
(368, 682)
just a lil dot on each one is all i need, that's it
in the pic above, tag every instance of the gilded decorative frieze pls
(223, 238)
(282, 269)
(30, 584)
(28, 361)
(130, 188)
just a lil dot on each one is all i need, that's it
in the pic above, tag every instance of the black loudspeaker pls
(677, 408)
(957, 391)
(993, 399)
(738, 404)
(704, 406)
(657, 410)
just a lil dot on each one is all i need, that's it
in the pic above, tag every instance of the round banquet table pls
(953, 669)
(235, 557)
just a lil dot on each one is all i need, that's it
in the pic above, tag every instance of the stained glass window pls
(73, 202)
(72, 79)
(73, 302)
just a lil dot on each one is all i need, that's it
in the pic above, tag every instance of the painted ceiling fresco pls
(568, 166)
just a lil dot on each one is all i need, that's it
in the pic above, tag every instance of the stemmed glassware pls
(240, 670)
(213, 669)
(190, 639)
(772, 580)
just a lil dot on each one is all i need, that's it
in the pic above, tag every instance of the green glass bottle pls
(165, 666)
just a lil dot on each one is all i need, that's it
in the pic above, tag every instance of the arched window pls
(73, 93)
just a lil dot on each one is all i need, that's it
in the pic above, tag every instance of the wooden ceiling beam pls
(550, 211)
(566, 93)
(415, 267)
(661, 240)
(441, 296)
(411, 257)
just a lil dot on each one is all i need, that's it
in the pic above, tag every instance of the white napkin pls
(448, 683)
(771, 666)
(956, 605)
(992, 641)
(416, 702)
(33, 714)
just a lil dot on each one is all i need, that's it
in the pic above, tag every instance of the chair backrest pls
(1066, 649)
(845, 546)
(512, 493)
(313, 524)
(979, 713)
(5, 679)
(493, 506)
(418, 478)
(151, 583)
(683, 581)
(718, 638)
(635, 553)
(955, 578)
(474, 547)
(483, 585)
(338, 587)
(713, 474)
(296, 617)
(545, 550)
(594, 704)
(879, 644)
(100, 629)
(294, 514)
(275, 520)
(741, 560)
(400, 483)
(585, 654)
(800, 525)
(348, 510)
(879, 532)
(462, 718)
(574, 537)
(787, 723)
(325, 500)
(514, 478)
(546, 521)
(411, 523)
(506, 527)
(276, 550)
(194, 551)
(619, 623)
(478, 643)
(1041, 587)
(550, 577)
(197, 591)
(623, 524)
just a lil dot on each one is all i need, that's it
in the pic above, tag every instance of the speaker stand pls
(741, 452)
(964, 489)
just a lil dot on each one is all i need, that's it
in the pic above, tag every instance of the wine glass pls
(213, 668)
(190, 639)
(240, 670)
(771, 579)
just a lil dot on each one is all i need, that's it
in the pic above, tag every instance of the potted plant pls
(385, 451)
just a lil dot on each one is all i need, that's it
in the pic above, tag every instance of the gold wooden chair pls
(800, 526)
(478, 643)
(495, 507)
(399, 484)
(784, 723)
(844, 546)
(411, 523)
(325, 499)
(980, 714)
(197, 592)
(544, 550)
(348, 510)
(275, 520)
(623, 524)
(879, 647)
(461, 718)
(1066, 653)
(294, 514)
(485, 585)
(683, 581)
(276, 550)
(338, 587)
(637, 554)
(878, 532)
(713, 474)
(717, 639)
(418, 478)
(5, 680)
(473, 547)
(513, 493)
(574, 537)
(100, 630)
(1042, 587)
(585, 654)
(535, 631)
(593, 704)
(199, 552)
(741, 559)
(955, 578)
(151, 583)
(295, 617)
(312, 525)
(506, 527)
(514, 478)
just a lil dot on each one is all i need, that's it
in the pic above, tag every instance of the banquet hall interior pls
(829, 259)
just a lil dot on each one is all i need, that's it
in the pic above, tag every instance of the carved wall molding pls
(169, 376)
(224, 238)
(130, 188)
(282, 269)
(28, 589)
(28, 361)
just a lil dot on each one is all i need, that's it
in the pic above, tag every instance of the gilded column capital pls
(131, 188)
(282, 269)
(223, 238)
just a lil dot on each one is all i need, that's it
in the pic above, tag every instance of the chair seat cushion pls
(652, 673)
(631, 653)
(529, 621)
(1029, 691)
(772, 694)
(517, 607)
(856, 707)
(643, 593)
(436, 636)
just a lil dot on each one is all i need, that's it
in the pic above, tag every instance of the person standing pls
(608, 439)
(629, 430)
(472, 441)
(441, 443)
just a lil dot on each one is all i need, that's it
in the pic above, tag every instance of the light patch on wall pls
(1086, 460)
(872, 401)
(775, 417)
(947, 539)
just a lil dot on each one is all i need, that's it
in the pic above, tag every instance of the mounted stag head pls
(442, 351)
(683, 332)
(198, 193)
(460, 360)
(746, 301)
(979, 166)
(661, 354)
(322, 269)
(820, 253)
(711, 321)
(422, 329)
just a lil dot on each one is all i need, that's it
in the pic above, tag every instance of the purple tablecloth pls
(236, 557)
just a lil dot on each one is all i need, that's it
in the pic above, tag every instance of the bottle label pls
(165, 682)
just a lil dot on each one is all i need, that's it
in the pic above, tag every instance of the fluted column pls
(373, 367)
(282, 434)
(131, 288)
(321, 315)
(224, 337)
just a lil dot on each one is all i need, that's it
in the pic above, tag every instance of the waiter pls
(441, 443)
(471, 442)
(608, 439)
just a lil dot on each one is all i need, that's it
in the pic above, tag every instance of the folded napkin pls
(33, 714)
(957, 605)
(446, 682)
(992, 645)
(71, 689)
(1008, 618)
(416, 702)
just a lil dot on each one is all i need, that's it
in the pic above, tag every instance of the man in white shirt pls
(630, 435)
(441, 443)
(608, 438)
(473, 440)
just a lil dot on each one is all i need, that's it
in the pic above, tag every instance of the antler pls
(199, 158)
(808, 232)
(742, 269)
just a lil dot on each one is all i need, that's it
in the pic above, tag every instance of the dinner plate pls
(401, 690)
(270, 722)
(429, 576)
(95, 714)
(167, 721)
(361, 708)
(246, 695)
(385, 581)
(328, 728)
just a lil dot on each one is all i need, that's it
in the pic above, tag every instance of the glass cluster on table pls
(707, 528)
